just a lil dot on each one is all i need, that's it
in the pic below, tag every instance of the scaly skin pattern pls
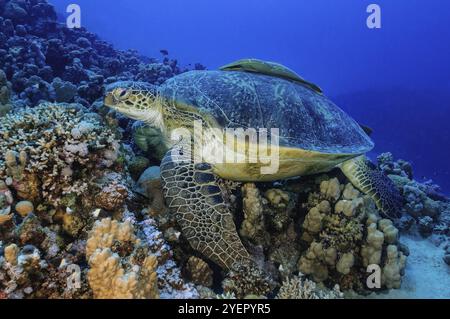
(373, 182)
(193, 194)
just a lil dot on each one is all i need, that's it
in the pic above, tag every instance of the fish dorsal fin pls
(269, 68)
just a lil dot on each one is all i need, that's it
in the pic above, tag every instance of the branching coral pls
(54, 151)
(298, 287)
(112, 196)
(19, 269)
(247, 279)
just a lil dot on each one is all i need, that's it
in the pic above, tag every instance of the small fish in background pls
(164, 52)
(199, 66)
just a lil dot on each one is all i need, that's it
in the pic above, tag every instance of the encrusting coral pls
(117, 268)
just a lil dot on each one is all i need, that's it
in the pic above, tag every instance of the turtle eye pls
(122, 94)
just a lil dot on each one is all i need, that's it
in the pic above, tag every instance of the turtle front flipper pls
(371, 181)
(193, 194)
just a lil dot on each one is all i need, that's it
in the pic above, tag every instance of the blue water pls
(395, 79)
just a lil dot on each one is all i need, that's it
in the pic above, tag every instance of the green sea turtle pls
(312, 136)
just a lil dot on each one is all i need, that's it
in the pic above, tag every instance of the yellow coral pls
(338, 249)
(11, 254)
(350, 192)
(253, 226)
(372, 250)
(331, 189)
(389, 230)
(391, 275)
(108, 276)
(5, 215)
(313, 262)
(345, 263)
(277, 198)
(314, 218)
(24, 208)
(109, 280)
(106, 231)
(348, 207)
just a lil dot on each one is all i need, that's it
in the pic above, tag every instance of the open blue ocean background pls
(395, 79)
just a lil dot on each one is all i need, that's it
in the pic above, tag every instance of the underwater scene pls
(239, 149)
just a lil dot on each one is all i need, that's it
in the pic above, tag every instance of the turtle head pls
(136, 103)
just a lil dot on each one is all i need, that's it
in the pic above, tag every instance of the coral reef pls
(5, 94)
(299, 287)
(345, 234)
(119, 268)
(245, 280)
(427, 210)
(50, 152)
(45, 60)
(253, 227)
(61, 169)
(199, 272)
(82, 213)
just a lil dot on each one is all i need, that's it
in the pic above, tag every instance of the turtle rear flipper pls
(193, 195)
(371, 181)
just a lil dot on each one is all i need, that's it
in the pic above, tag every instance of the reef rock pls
(5, 94)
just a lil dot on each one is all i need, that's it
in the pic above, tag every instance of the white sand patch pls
(427, 276)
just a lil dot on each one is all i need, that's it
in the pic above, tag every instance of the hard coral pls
(136, 249)
(116, 271)
(343, 232)
(5, 94)
(53, 151)
(299, 287)
(253, 226)
(247, 279)
(199, 272)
